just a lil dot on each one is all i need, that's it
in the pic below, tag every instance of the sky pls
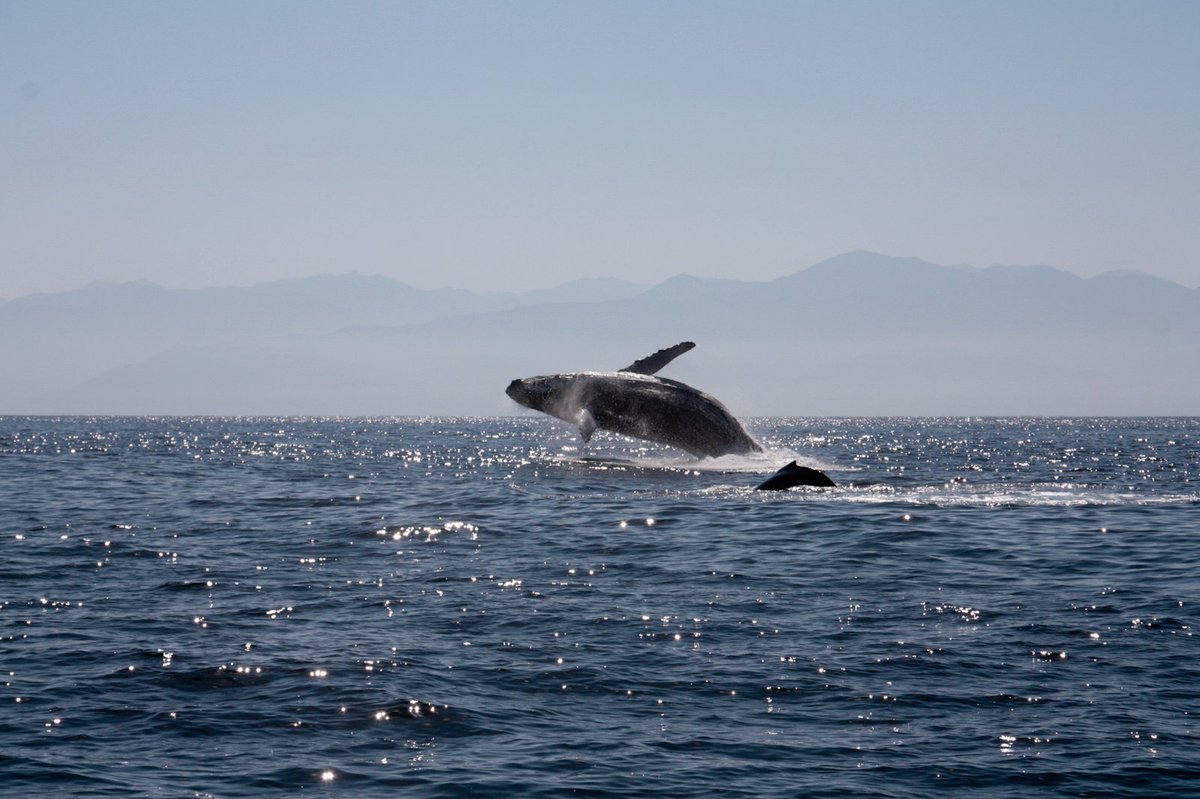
(510, 146)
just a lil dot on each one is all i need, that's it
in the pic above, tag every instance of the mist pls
(859, 334)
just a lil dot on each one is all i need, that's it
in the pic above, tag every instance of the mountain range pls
(857, 334)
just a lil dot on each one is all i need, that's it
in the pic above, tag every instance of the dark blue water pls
(462, 607)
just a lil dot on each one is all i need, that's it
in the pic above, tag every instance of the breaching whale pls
(635, 402)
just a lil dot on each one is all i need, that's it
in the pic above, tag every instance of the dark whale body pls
(637, 403)
(795, 475)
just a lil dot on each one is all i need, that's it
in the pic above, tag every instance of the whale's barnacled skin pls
(640, 405)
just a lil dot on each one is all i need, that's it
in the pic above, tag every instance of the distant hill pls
(860, 333)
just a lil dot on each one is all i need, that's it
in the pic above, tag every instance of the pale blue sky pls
(514, 145)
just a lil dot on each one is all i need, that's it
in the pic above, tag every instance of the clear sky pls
(521, 144)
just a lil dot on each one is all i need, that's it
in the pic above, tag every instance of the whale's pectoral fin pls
(587, 424)
(652, 363)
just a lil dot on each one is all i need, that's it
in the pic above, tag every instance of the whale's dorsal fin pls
(652, 363)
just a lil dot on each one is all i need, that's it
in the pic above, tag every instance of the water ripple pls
(454, 607)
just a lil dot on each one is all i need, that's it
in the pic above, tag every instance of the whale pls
(795, 475)
(637, 402)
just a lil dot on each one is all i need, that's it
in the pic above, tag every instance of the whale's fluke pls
(652, 363)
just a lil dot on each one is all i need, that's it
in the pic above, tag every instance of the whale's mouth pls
(522, 393)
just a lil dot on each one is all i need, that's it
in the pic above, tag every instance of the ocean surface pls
(248, 607)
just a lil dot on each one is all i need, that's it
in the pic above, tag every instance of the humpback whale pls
(636, 402)
(795, 475)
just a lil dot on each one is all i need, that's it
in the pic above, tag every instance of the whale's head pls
(545, 393)
(537, 392)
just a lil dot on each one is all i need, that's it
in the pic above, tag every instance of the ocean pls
(458, 607)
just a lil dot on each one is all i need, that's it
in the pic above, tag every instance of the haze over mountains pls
(858, 334)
